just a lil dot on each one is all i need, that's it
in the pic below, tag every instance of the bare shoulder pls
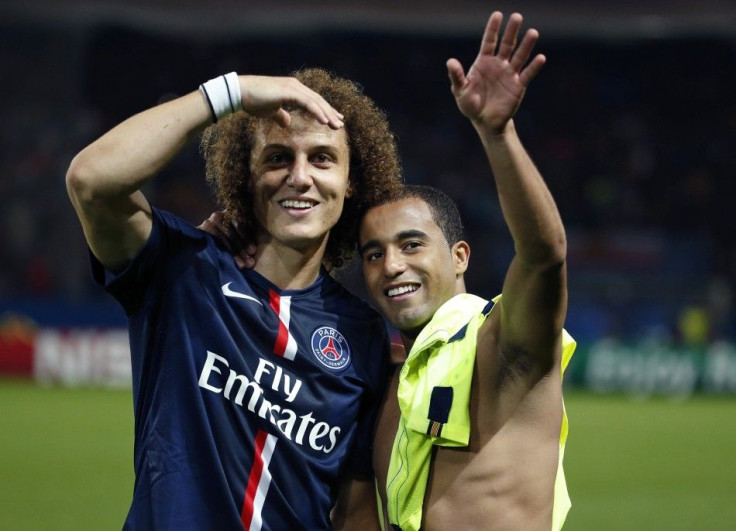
(504, 478)
(510, 369)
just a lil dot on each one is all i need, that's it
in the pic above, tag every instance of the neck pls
(289, 268)
(408, 337)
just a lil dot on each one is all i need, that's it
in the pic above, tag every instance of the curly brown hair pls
(374, 173)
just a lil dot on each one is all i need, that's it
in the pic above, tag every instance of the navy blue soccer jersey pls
(251, 403)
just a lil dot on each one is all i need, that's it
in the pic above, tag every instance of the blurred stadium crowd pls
(635, 137)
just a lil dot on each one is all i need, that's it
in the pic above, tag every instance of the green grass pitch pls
(65, 457)
(66, 460)
(655, 464)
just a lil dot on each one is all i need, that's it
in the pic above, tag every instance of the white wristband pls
(223, 95)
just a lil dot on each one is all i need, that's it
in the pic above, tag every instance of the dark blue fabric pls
(205, 380)
(440, 404)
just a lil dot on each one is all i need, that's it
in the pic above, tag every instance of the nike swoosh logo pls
(230, 293)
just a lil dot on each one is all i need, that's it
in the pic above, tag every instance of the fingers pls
(398, 353)
(524, 51)
(245, 260)
(521, 56)
(508, 42)
(265, 96)
(232, 238)
(490, 36)
(215, 226)
(314, 103)
(245, 257)
(282, 117)
(217, 217)
(456, 74)
(531, 71)
(317, 105)
(518, 57)
(206, 226)
(210, 225)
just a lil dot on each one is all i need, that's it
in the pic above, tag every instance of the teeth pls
(393, 292)
(290, 203)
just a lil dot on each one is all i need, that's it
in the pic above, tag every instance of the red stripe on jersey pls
(246, 514)
(283, 336)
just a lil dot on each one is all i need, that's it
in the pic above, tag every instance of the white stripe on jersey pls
(285, 317)
(263, 484)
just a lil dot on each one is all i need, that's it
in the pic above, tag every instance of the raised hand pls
(493, 88)
(265, 96)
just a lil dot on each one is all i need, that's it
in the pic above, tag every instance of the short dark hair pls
(444, 210)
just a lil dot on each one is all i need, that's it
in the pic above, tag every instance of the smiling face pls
(300, 181)
(410, 270)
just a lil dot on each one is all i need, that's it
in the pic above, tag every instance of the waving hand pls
(493, 88)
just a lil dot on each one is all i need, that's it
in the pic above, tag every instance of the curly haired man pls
(255, 392)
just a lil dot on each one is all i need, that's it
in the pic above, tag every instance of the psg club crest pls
(330, 348)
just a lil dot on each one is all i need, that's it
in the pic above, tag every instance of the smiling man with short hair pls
(472, 432)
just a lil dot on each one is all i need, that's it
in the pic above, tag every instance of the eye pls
(412, 245)
(278, 158)
(373, 256)
(322, 158)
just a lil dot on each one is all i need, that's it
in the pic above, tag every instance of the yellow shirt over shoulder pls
(434, 396)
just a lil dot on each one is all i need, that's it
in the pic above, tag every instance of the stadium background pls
(632, 122)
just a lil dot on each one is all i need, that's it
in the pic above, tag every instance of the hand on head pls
(265, 97)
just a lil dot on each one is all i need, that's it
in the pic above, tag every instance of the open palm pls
(496, 82)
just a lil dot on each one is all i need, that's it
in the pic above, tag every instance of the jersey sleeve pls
(168, 248)
(359, 462)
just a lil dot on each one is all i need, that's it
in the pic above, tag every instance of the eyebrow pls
(402, 235)
(316, 148)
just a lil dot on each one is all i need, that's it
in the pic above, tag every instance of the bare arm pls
(105, 178)
(534, 292)
(356, 506)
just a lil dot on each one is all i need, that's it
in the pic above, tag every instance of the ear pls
(349, 192)
(461, 256)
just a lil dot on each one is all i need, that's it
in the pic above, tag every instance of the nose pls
(299, 177)
(393, 264)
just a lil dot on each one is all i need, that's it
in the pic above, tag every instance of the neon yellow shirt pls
(434, 396)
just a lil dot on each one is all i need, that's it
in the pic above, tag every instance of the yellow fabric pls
(379, 504)
(444, 355)
(562, 501)
(432, 361)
